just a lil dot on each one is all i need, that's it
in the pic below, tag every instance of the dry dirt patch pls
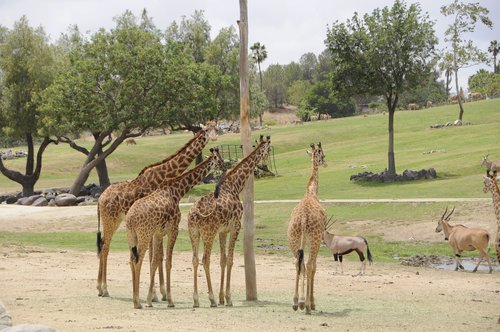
(57, 288)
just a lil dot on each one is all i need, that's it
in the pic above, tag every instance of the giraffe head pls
(210, 130)
(217, 160)
(317, 155)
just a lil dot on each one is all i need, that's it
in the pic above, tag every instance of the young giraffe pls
(209, 216)
(307, 223)
(117, 199)
(491, 185)
(152, 217)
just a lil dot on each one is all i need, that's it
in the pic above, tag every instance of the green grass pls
(347, 141)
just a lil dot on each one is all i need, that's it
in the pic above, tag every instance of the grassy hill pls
(348, 144)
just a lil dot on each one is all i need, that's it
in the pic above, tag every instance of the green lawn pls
(348, 143)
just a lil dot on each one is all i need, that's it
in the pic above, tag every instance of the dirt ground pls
(57, 288)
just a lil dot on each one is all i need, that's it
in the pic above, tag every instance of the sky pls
(288, 28)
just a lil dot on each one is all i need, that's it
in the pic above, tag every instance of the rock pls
(457, 123)
(6, 324)
(41, 201)
(11, 199)
(65, 200)
(5, 319)
(52, 202)
(28, 200)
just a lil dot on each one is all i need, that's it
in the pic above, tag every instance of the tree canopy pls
(383, 53)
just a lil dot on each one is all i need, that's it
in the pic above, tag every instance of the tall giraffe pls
(491, 185)
(117, 199)
(152, 217)
(307, 223)
(209, 216)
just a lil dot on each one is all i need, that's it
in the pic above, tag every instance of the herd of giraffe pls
(150, 206)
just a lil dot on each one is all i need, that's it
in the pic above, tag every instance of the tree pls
(321, 98)
(259, 54)
(494, 48)
(26, 70)
(116, 86)
(248, 196)
(193, 32)
(446, 66)
(308, 63)
(464, 53)
(385, 53)
(485, 82)
(274, 85)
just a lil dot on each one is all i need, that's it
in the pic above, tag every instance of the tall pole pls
(248, 216)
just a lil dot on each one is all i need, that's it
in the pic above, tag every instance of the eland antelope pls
(462, 238)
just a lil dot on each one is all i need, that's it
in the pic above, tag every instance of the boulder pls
(65, 200)
(41, 201)
(28, 200)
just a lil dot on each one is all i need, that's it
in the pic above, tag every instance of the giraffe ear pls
(309, 153)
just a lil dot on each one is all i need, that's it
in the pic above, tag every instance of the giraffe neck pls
(154, 176)
(312, 183)
(495, 193)
(237, 177)
(180, 185)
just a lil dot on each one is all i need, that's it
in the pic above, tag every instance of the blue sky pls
(288, 28)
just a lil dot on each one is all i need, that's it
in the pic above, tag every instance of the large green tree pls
(485, 82)
(26, 70)
(115, 86)
(384, 53)
(463, 52)
(274, 85)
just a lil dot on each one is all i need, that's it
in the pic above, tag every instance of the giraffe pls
(117, 199)
(307, 223)
(152, 217)
(491, 185)
(209, 216)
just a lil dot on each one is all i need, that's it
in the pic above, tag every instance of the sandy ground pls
(57, 288)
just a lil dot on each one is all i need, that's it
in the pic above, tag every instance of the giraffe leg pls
(297, 277)
(168, 265)
(110, 224)
(232, 243)
(497, 243)
(223, 262)
(311, 271)
(155, 258)
(194, 235)
(207, 244)
(302, 295)
(103, 260)
(135, 266)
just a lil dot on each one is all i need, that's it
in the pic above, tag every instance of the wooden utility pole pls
(248, 216)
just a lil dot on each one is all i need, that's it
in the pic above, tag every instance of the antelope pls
(131, 141)
(493, 166)
(462, 238)
(343, 245)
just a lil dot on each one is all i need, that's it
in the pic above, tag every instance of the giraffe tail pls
(99, 237)
(300, 252)
(135, 253)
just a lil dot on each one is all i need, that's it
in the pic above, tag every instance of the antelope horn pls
(442, 217)
(448, 217)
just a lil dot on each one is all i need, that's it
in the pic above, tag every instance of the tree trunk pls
(455, 70)
(248, 192)
(391, 105)
(101, 168)
(261, 89)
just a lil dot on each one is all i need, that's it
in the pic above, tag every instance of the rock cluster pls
(407, 175)
(56, 197)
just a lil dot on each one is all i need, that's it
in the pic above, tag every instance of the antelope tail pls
(99, 239)
(368, 253)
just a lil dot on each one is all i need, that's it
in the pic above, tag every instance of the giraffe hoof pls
(164, 298)
(171, 305)
(213, 305)
(137, 306)
(295, 307)
(302, 305)
(196, 305)
(105, 294)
